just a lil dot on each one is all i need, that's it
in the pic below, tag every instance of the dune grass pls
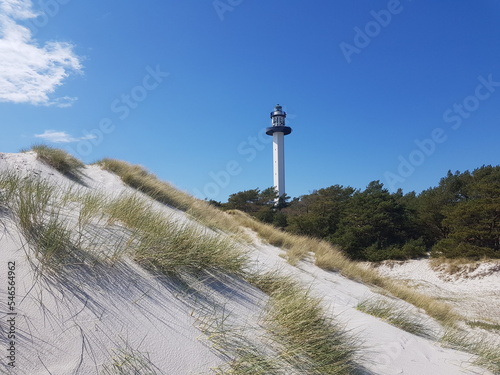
(60, 160)
(462, 266)
(395, 315)
(296, 335)
(330, 258)
(140, 179)
(308, 342)
(244, 355)
(488, 353)
(33, 201)
(127, 361)
(308, 339)
(44, 216)
(484, 325)
(9, 185)
(171, 248)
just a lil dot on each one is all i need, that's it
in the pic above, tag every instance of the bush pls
(410, 250)
(451, 248)
(415, 248)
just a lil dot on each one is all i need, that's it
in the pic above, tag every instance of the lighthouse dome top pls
(278, 107)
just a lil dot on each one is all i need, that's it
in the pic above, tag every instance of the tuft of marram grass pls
(308, 340)
(484, 325)
(59, 160)
(140, 179)
(38, 218)
(394, 315)
(488, 354)
(296, 335)
(165, 246)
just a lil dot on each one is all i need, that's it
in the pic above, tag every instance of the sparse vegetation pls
(330, 258)
(394, 315)
(60, 160)
(130, 362)
(38, 218)
(488, 354)
(173, 248)
(304, 340)
(296, 335)
(308, 340)
(464, 267)
(484, 325)
(139, 178)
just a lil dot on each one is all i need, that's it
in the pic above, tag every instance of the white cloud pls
(55, 136)
(30, 73)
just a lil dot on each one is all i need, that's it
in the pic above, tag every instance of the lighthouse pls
(278, 130)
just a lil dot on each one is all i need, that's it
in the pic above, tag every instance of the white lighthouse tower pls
(278, 131)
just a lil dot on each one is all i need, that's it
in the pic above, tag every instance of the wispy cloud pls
(30, 73)
(55, 136)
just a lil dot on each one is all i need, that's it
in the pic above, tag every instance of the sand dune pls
(90, 317)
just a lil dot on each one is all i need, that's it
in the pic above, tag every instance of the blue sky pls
(396, 91)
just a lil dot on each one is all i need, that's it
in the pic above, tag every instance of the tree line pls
(458, 218)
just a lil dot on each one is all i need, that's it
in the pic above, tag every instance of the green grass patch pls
(295, 335)
(38, 217)
(130, 362)
(330, 258)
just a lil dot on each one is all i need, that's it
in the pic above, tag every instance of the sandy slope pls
(476, 293)
(388, 350)
(80, 320)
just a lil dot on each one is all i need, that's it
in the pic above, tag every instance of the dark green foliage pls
(244, 200)
(473, 220)
(458, 218)
(318, 214)
(264, 205)
(375, 226)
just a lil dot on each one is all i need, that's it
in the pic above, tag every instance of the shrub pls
(451, 248)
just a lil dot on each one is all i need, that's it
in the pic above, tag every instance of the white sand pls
(79, 321)
(475, 293)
